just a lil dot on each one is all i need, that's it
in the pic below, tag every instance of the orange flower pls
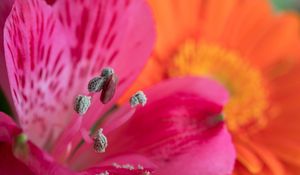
(255, 54)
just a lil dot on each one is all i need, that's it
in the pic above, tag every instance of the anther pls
(109, 89)
(106, 72)
(138, 98)
(82, 103)
(100, 141)
(96, 84)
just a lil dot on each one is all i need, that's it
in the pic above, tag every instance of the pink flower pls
(51, 52)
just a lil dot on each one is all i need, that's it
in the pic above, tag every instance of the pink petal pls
(9, 164)
(59, 151)
(5, 7)
(36, 60)
(203, 87)
(8, 128)
(41, 163)
(214, 157)
(175, 123)
(171, 125)
(116, 34)
(35, 161)
(125, 26)
(53, 51)
(118, 118)
(50, 2)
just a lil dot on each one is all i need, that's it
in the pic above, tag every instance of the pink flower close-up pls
(50, 54)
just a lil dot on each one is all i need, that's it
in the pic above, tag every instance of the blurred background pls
(286, 4)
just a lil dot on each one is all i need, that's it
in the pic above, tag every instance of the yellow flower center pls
(248, 96)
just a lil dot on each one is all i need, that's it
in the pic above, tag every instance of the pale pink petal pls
(33, 161)
(114, 34)
(116, 119)
(37, 63)
(117, 34)
(60, 151)
(86, 136)
(53, 51)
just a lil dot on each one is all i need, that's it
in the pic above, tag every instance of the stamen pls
(138, 98)
(20, 146)
(109, 89)
(214, 120)
(82, 104)
(21, 138)
(106, 72)
(100, 141)
(96, 84)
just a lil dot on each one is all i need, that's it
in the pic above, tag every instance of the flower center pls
(248, 97)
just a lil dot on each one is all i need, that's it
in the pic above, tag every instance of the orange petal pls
(248, 159)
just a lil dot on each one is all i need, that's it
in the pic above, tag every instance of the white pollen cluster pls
(138, 98)
(146, 173)
(104, 173)
(140, 167)
(131, 167)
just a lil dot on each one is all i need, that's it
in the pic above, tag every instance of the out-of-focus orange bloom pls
(254, 52)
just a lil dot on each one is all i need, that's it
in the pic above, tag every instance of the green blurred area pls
(4, 106)
(283, 5)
